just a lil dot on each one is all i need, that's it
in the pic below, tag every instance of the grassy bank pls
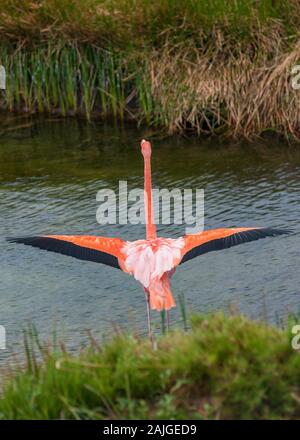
(225, 367)
(201, 66)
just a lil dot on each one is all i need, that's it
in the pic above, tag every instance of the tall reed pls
(68, 78)
(200, 66)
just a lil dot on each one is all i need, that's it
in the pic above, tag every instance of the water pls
(50, 172)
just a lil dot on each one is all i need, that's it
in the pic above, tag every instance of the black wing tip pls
(24, 240)
(67, 248)
(276, 231)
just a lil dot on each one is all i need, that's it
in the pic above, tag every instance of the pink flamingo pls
(153, 260)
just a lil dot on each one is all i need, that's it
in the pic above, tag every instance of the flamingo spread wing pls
(151, 261)
(223, 238)
(103, 250)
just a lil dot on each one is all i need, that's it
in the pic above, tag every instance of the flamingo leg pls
(148, 314)
(168, 320)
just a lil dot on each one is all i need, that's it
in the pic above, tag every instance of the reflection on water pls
(50, 173)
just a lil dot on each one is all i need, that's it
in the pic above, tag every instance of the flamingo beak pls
(145, 148)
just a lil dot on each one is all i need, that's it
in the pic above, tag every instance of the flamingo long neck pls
(150, 225)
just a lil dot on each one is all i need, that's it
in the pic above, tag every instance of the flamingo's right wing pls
(103, 250)
(223, 238)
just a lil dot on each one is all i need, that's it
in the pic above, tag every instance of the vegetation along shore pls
(199, 66)
(223, 368)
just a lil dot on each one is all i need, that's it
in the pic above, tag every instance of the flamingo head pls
(146, 148)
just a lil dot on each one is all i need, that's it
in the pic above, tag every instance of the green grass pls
(66, 80)
(201, 66)
(140, 22)
(224, 367)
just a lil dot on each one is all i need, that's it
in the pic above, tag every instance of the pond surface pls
(50, 172)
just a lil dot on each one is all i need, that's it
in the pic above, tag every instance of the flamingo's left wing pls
(103, 250)
(223, 238)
